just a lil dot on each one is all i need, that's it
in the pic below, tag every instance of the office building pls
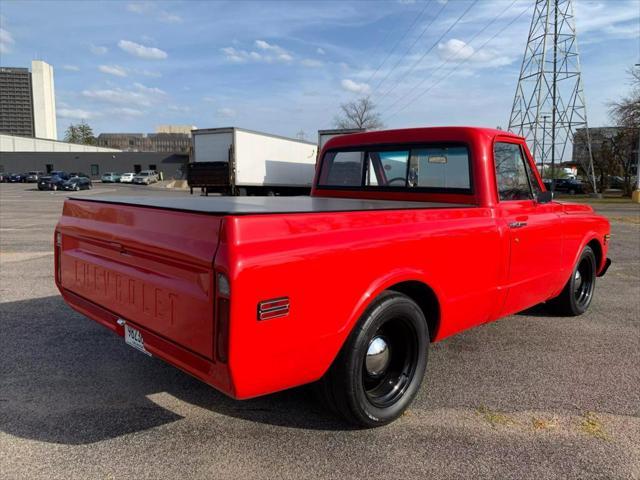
(27, 101)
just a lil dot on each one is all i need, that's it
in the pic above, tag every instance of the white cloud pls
(355, 87)
(167, 17)
(6, 41)
(75, 113)
(141, 96)
(116, 70)
(148, 8)
(311, 63)
(179, 108)
(209, 99)
(261, 44)
(126, 112)
(226, 112)
(320, 51)
(149, 90)
(142, 51)
(458, 50)
(148, 73)
(139, 7)
(270, 53)
(455, 49)
(71, 68)
(98, 49)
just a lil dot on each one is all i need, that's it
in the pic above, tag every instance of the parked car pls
(566, 185)
(78, 174)
(16, 177)
(110, 177)
(146, 177)
(127, 177)
(53, 181)
(408, 237)
(77, 183)
(3, 176)
(34, 175)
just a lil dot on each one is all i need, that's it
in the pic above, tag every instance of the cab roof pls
(416, 135)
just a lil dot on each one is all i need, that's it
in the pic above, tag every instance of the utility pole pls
(550, 81)
(635, 196)
(554, 92)
(542, 152)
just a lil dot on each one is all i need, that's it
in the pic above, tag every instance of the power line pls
(424, 30)
(432, 46)
(446, 61)
(393, 49)
(459, 63)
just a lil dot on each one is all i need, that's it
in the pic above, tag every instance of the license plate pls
(134, 338)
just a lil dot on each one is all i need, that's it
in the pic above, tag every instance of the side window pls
(511, 172)
(344, 169)
(535, 186)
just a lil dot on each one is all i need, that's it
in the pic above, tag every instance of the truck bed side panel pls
(331, 266)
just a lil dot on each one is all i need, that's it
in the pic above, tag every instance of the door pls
(533, 230)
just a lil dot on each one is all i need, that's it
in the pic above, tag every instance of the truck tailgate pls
(151, 267)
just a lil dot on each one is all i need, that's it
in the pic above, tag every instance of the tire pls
(577, 294)
(77, 188)
(379, 369)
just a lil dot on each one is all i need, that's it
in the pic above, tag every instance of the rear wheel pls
(379, 369)
(577, 294)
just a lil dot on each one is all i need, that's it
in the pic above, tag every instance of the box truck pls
(236, 161)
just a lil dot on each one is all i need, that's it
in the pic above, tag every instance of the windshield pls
(144, 174)
(428, 167)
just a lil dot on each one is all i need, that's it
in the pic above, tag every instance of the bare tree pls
(626, 112)
(626, 115)
(359, 113)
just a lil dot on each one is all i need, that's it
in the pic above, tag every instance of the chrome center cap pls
(378, 356)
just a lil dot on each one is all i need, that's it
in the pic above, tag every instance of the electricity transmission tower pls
(549, 104)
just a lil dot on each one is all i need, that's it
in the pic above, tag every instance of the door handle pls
(517, 224)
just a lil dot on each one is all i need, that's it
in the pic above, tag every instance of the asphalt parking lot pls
(530, 396)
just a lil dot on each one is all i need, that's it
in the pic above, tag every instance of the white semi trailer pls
(235, 161)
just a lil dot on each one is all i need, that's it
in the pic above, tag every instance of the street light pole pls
(635, 196)
(544, 134)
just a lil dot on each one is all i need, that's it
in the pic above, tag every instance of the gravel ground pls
(530, 396)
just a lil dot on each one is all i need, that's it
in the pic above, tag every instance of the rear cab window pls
(420, 168)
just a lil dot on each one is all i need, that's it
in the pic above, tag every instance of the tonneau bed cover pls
(266, 205)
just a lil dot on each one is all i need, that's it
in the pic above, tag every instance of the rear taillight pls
(223, 295)
(57, 258)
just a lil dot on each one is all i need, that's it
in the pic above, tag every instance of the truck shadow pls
(65, 379)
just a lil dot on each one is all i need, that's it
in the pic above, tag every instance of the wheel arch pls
(592, 239)
(425, 298)
(413, 283)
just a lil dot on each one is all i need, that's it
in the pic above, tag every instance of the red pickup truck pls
(409, 236)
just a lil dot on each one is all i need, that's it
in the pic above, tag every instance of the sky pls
(285, 67)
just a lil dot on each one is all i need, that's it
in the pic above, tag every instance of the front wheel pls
(577, 294)
(379, 369)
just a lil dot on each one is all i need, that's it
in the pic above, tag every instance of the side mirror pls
(544, 197)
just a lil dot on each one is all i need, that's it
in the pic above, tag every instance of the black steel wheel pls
(577, 294)
(379, 369)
